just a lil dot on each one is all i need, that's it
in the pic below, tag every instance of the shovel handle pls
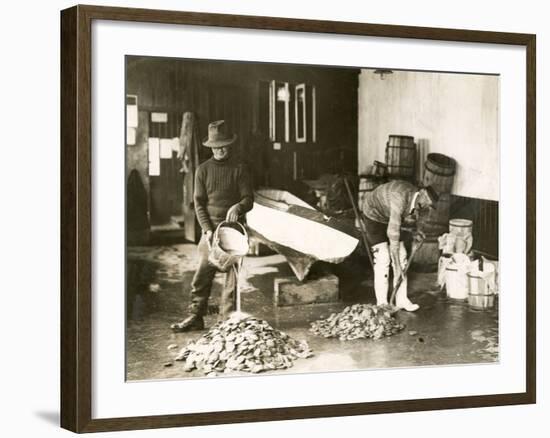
(405, 269)
(359, 219)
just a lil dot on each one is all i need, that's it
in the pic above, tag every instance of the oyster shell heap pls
(242, 344)
(360, 321)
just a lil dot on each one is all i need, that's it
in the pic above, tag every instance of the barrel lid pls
(400, 136)
(441, 160)
(461, 223)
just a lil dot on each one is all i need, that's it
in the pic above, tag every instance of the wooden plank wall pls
(484, 215)
(231, 91)
(234, 91)
(166, 190)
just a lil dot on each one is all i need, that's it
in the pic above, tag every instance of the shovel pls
(419, 239)
(359, 219)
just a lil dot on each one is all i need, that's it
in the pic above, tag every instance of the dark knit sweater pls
(218, 186)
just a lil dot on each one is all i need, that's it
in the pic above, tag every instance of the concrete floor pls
(442, 332)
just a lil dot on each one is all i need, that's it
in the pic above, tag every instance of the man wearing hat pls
(385, 208)
(223, 191)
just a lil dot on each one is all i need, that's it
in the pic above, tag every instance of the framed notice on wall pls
(321, 88)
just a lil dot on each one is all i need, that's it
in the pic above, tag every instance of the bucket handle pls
(243, 229)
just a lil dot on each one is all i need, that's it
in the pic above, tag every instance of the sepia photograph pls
(293, 218)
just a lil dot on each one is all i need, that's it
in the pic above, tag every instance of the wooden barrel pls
(400, 156)
(427, 256)
(379, 169)
(480, 295)
(434, 222)
(439, 172)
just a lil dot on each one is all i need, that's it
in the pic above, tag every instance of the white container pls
(492, 265)
(462, 230)
(444, 261)
(456, 284)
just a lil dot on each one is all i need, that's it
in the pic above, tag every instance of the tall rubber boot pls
(381, 255)
(401, 299)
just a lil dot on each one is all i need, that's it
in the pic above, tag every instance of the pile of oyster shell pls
(242, 345)
(359, 321)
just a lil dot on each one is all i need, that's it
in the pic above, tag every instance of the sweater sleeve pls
(201, 198)
(246, 192)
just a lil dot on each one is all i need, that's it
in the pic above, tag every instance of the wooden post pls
(188, 154)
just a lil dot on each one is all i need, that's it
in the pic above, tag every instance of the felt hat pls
(218, 135)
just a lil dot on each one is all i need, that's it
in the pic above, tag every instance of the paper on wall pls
(130, 136)
(154, 156)
(159, 117)
(165, 148)
(131, 116)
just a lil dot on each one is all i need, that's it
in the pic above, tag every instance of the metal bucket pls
(228, 246)
(456, 284)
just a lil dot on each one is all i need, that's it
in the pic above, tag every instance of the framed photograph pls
(270, 219)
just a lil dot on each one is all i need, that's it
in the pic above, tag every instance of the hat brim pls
(219, 143)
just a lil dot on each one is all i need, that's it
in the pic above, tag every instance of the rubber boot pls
(381, 255)
(401, 299)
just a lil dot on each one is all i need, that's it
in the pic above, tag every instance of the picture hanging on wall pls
(328, 214)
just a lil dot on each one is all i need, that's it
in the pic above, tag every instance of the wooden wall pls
(484, 215)
(231, 91)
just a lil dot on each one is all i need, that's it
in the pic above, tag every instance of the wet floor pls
(442, 332)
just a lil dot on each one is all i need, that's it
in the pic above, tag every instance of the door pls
(166, 179)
